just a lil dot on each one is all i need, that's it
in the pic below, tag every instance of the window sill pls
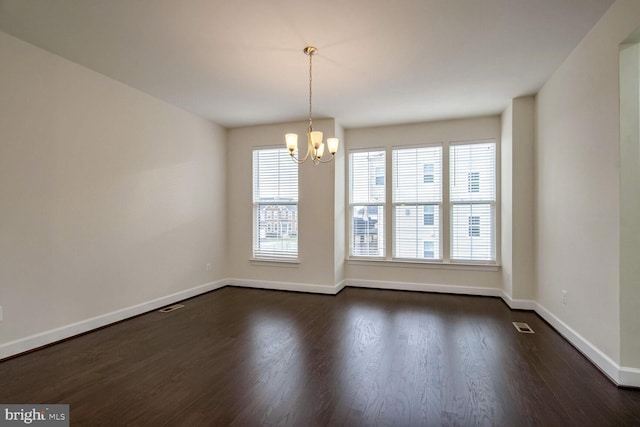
(440, 265)
(276, 262)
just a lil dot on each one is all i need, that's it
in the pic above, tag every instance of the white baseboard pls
(48, 337)
(424, 287)
(629, 377)
(288, 286)
(622, 376)
(591, 352)
(518, 304)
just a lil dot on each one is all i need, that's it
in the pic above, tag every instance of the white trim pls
(288, 286)
(404, 262)
(621, 376)
(48, 337)
(424, 287)
(278, 262)
(629, 377)
(591, 352)
(518, 304)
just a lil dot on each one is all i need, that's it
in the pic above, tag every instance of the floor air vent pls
(523, 328)
(171, 308)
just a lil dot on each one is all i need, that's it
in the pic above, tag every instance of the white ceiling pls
(240, 62)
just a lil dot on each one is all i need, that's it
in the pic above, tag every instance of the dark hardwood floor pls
(250, 357)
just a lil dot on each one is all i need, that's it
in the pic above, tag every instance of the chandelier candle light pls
(315, 146)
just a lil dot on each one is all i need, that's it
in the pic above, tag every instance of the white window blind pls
(473, 201)
(417, 202)
(367, 186)
(275, 204)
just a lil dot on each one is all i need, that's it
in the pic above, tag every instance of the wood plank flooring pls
(248, 357)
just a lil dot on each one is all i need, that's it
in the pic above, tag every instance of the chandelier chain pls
(315, 146)
(310, 81)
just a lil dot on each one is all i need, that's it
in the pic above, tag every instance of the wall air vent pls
(523, 328)
(171, 308)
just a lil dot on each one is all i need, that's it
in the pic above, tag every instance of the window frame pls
(272, 220)
(493, 205)
(352, 204)
(446, 212)
(438, 206)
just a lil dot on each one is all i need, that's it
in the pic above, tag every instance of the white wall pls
(415, 134)
(517, 163)
(506, 173)
(319, 206)
(630, 203)
(108, 198)
(340, 201)
(578, 186)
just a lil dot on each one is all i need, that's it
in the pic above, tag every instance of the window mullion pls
(390, 214)
(445, 215)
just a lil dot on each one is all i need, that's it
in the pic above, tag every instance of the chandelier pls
(315, 146)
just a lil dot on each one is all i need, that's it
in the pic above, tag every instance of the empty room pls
(456, 243)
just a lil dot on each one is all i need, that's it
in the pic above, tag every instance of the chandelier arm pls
(296, 160)
(328, 160)
(306, 157)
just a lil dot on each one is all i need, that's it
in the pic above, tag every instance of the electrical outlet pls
(208, 267)
(564, 297)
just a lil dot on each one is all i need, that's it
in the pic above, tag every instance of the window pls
(428, 249)
(427, 174)
(474, 226)
(474, 182)
(379, 175)
(275, 189)
(417, 200)
(473, 201)
(429, 218)
(366, 203)
(420, 178)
